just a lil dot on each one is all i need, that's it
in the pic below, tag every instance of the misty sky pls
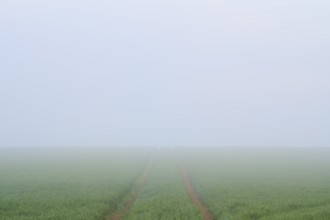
(164, 73)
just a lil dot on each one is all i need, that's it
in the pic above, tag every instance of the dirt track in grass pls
(207, 215)
(132, 195)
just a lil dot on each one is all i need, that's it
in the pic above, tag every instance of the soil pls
(132, 195)
(194, 196)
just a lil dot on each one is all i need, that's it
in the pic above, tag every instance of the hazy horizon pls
(164, 73)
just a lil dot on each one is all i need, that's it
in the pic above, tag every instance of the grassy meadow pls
(265, 184)
(164, 197)
(234, 183)
(68, 184)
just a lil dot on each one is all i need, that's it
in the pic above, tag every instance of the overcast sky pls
(164, 73)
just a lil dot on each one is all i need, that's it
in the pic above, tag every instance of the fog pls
(164, 73)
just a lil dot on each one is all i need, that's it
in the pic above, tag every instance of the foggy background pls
(164, 73)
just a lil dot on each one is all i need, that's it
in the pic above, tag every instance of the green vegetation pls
(164, 197)
(235, 183)
(65, 184)
(265, 184)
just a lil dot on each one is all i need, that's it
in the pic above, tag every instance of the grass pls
(164, 197)
(236, 183)
(65, 184)
(265, 184)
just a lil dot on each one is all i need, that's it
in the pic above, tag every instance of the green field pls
(265, 184)
(66, 184)
(164, 197)
(146, 183)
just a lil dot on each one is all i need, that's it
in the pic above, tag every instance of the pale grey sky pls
(166, 72)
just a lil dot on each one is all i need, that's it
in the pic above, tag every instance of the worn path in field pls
(193, 194)
(133, 194)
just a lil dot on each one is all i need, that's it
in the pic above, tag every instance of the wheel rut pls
(133, 194)
(194, 198)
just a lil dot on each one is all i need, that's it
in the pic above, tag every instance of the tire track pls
(133, 194)
(194, 198)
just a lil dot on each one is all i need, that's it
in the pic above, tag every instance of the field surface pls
(164, 197)
(66, 184)
(265, 184)
(166, 183)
